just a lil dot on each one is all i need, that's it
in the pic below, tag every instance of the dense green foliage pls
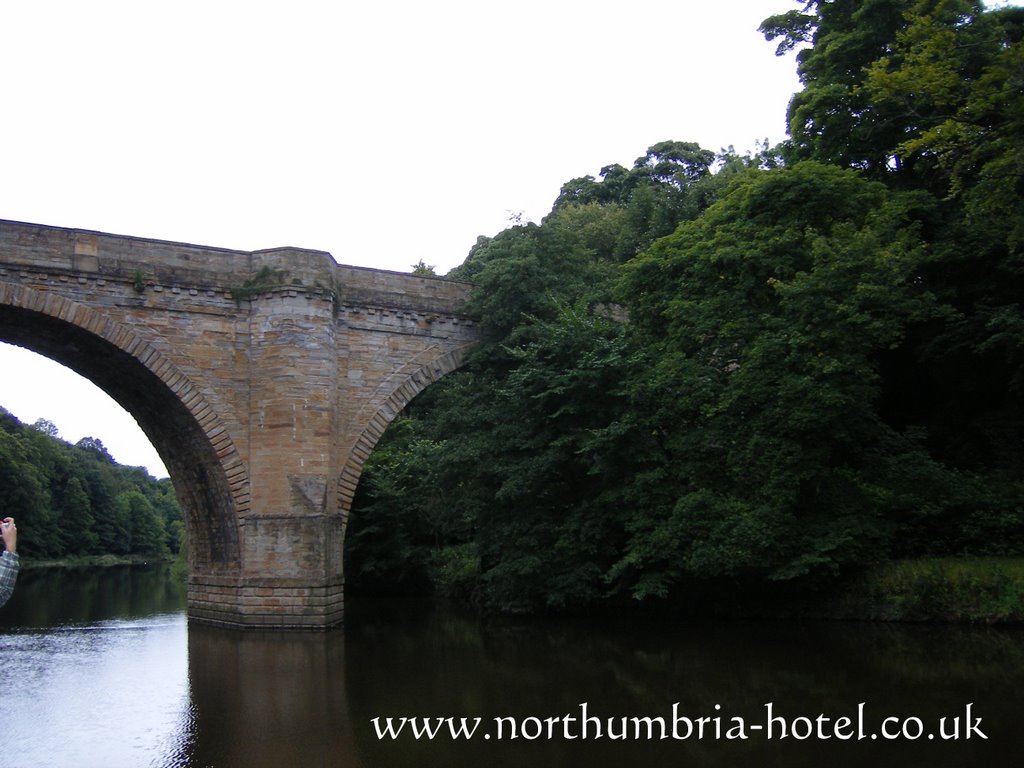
(74, 501)
(723, 372)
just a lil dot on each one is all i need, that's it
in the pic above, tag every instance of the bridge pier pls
(264, 379)
(294, 577)
(301, 562)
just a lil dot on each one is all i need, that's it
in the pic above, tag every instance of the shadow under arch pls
(204, 466)
(394, 393)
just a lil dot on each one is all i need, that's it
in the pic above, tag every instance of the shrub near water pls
(977, 590)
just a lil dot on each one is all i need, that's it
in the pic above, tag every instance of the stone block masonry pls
(264, 380)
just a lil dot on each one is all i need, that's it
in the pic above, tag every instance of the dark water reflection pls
(101, 668)
(436, 663)
(50, 597)
(266, 699)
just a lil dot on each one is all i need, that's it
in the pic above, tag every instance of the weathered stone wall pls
(263, 379)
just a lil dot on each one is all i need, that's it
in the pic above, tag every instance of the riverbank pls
(92, 561)
(976, 590)
(966, 590)
(941, 590)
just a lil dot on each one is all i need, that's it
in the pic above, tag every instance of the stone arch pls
(394, 393)
(208, 474)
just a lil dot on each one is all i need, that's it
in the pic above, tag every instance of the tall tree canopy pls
(743, 370)
(763, 323)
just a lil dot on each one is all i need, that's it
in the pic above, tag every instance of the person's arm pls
(8, 560)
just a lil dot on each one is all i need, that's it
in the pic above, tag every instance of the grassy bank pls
(965, 590)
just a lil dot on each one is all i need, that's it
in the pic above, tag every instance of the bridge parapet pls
(96, 255)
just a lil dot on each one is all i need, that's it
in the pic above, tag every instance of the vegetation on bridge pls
(720, 372)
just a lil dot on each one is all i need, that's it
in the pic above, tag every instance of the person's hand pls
(10, 534)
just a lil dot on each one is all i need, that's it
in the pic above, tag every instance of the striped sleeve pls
(8, 574)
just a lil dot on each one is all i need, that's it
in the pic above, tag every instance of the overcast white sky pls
(382, 132)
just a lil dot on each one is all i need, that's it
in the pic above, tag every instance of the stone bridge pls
(263, 380)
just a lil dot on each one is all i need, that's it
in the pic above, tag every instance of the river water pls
(101, 668)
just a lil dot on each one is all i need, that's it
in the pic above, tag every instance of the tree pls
(667, 185)
(26, 497)
(46, 427)
(96, 447)
(927, 95)
(807, 365)
(75, 500)
(93, 469)
(832, 118)
(763, 322)
(562, 450)
(76, 520)
(145, 527)
(958, 70)
(405, 523)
